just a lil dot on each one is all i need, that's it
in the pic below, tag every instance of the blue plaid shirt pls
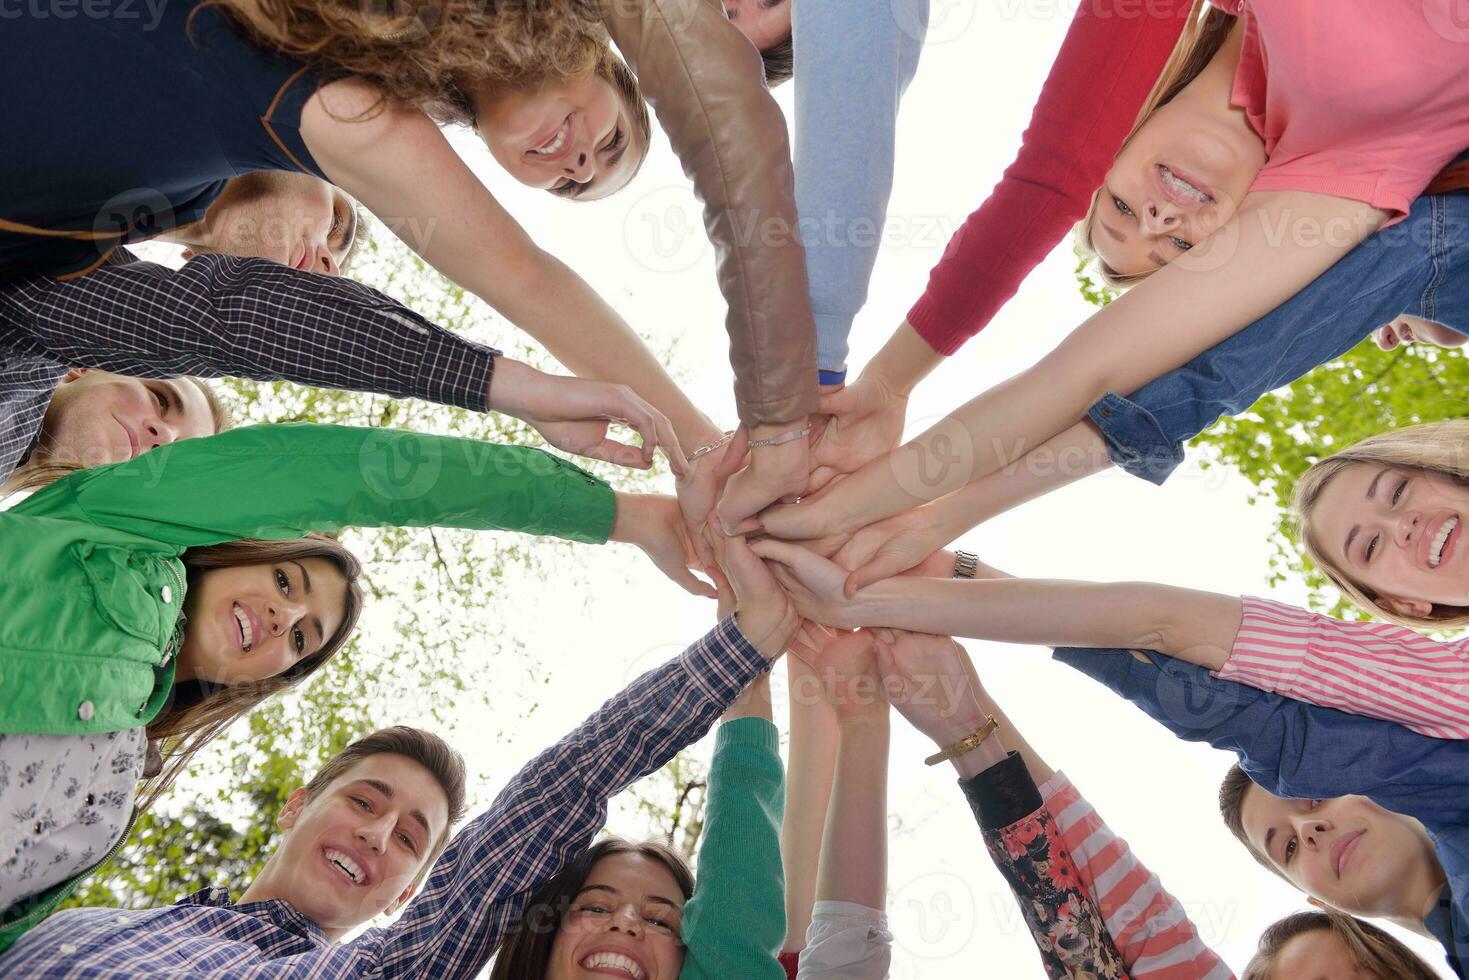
(476, 892)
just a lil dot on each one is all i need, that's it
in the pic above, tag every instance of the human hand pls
(931, 681)
(865, 421)
(813, 583)
(573, 414)
(763, 610)
(655, 524)
(846, 664)
(773, 472)
(700, 486)
(1406, 329)
(889, 548)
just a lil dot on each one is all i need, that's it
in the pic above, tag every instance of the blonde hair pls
(1202, 37)
(1372, 949)
(1439, 448)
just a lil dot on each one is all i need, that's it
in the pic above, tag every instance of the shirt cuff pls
(934, 326)
(1271, 646)
(1135, 440)
(1002, 794)
(832, 377)
(751, 733)
(723, 663)
(455, 371)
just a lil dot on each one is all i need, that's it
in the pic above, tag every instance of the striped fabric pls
(476, 892)
(221, 316)
(1151, 930)
(1372, 669)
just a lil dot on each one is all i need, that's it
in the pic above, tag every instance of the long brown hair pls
(1381, 955)
(430, 53)
(199, 711)
(1202, 37)
(1437, 448)
(526, 950)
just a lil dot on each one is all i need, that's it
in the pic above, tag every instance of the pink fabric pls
(1361, 99)
(1372, 669)
(790, 962)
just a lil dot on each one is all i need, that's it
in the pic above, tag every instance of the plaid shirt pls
(476, 892)
(221, 316)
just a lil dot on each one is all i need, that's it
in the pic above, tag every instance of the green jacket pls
(734, 925)
(90, 578)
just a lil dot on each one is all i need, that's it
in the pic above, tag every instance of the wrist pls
(508, 388)
(864, 724)
(904, 360)
(627, 520)
(991, 752)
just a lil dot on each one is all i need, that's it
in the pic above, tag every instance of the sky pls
(645, 252)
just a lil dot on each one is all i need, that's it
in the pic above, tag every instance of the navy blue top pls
(1303, 751)
(126, 119)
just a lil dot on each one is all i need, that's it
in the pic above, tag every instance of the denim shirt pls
(1419, 266)
(1301, 751)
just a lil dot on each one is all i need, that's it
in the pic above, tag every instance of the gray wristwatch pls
(966, 564)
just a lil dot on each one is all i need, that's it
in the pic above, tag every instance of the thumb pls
(734, 455)
(746, 571)
(793, 556)
(881, 567)
(840, 402)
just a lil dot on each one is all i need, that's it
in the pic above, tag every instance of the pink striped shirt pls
(1150, 929)
(1373, 669)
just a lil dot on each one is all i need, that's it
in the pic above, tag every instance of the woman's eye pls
(162, 397)
(565, 188)
(656, 922)
(283, 582)
(361, 803)
(1118, 203)
(408, 842)
(300, 638)
(1371, 547)
(615, 142)
(1290, 850)
(1398, 493)
(1180, 244)
(595, 910)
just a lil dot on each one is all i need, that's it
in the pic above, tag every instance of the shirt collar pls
(283, 915)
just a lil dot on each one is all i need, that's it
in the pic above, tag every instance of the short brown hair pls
(1231, 807)
(780, 62)
(526, 950)
(1381, 955)
(424, 748)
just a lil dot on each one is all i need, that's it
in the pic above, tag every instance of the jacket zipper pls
(37, 914)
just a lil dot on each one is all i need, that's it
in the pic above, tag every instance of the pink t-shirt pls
(1362, 99)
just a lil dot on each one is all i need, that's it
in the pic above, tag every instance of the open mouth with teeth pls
(1181, 189)
(1441, 540)
(614, 964)
(554, 145)
(247, 631)
(345, 866)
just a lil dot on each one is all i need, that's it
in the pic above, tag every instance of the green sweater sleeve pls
(735, 923)
(282, 481)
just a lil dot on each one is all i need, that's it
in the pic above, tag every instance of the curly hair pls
(429, 53)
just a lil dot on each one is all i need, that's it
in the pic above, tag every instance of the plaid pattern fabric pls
(222, 316)
(475, 893)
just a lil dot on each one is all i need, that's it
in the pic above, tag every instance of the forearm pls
(903, 361)
(813, 748)
(1195, 626)
(854, 847)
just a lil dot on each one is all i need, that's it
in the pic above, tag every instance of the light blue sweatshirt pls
(853, 59)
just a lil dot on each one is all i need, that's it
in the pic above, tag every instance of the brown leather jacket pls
(704, 80)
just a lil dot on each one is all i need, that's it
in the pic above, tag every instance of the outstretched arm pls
(1249, 267)
(460, 229)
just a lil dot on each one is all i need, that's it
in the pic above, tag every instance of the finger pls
(691, 583)
(885, 634)
(734, 454)
(1384, 338)
(744, 496)
(884, 566)
(745, 570)
(821, 476)
(668, 441)
(791, 555)
(1405, 331)
(841, 402)
(612, 451)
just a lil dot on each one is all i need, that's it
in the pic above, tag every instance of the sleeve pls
(847, 99)
(1372, 669)
(283, 481)
(735, 923)
(555, 805)
(1389, 273)
(26, 386)
(1293, 749)
(1025, 843)
(1112, 56)
(704, 82)
(223, 316)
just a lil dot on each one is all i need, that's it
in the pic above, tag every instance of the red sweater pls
(1113, 53)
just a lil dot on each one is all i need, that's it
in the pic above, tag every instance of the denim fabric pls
(1419, 266)
(1302, 751)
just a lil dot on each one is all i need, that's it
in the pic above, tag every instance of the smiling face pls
(355, 849)
(624, 923)
(294, 219)
(765, 22)
(572, 137)
(96, 417)
(250, 622)
(1397, 533)
(1347, 852)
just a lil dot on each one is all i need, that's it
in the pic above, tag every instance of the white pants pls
(846, 942)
